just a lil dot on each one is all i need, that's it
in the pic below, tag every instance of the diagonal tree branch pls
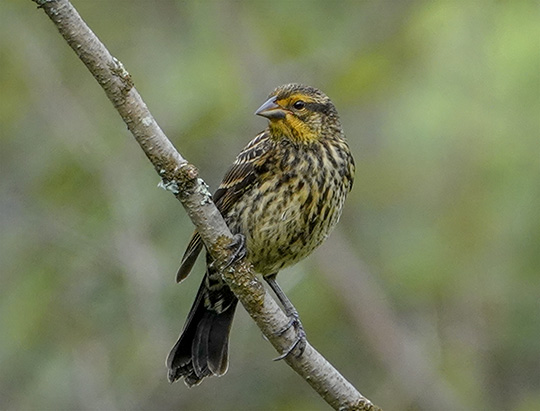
(181, 178)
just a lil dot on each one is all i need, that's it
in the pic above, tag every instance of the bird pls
(281, 198)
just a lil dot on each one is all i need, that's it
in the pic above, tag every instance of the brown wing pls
(190, 256)
(245, 169)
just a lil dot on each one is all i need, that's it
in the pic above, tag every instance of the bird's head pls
(300, 113)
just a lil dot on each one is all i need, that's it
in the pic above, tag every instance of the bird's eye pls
(299, 105)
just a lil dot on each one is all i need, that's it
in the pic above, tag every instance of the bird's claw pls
(299, 343)
(238, 247)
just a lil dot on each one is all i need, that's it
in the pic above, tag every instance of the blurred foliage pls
(441, 104)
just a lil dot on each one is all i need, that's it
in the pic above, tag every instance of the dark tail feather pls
(202, 349)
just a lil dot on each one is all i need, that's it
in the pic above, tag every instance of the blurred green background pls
(427, 296)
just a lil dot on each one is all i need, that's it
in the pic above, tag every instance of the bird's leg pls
(238, 247)
(294, 319)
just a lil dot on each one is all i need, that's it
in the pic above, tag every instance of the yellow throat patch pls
(292, 126)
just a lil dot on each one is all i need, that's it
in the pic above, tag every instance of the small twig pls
(181, 178)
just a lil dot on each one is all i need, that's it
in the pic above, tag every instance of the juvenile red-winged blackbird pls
(281, 197)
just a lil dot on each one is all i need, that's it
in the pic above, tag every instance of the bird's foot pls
(238, 248)
(300, 343)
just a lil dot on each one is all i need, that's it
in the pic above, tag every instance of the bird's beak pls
(271, 110)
